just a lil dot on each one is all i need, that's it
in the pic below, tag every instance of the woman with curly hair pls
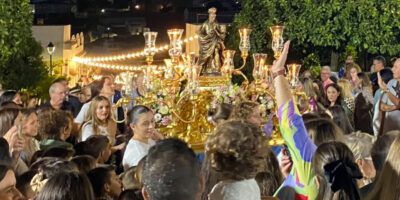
(237, 150)
(249, 111)
(54, 128)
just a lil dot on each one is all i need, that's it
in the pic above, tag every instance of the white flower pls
(270, 104)
(163, 110)
(263, 100)
(157, 117)
(217, 93)
(231, 93)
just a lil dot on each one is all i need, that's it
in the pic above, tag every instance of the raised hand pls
(381, 84)
(280, 63)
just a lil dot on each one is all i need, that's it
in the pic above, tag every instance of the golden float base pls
(194, 110)
(212, 81)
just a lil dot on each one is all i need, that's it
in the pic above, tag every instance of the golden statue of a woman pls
(211, 42)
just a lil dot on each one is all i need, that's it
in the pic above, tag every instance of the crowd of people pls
(340, 143)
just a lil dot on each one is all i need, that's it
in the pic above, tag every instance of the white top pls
(83, 113)
(87, 131)
(377, 117)
(135, 151)
(239, 190)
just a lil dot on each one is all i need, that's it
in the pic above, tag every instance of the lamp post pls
(50, 49)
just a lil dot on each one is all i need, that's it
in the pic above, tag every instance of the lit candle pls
(262, 62)
(277, 33)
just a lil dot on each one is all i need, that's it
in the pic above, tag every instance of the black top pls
(66, 106)
(76, 104)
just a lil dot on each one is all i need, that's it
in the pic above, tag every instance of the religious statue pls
(211, 42)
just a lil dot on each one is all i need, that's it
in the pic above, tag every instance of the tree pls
(21, 64)
(326, 26)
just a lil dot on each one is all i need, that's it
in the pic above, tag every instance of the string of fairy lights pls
(103, 61)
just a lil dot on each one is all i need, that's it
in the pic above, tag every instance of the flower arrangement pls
(231, 94)
(162, 114)
(267, 104)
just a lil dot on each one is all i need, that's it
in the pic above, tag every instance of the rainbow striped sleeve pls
(301, 150)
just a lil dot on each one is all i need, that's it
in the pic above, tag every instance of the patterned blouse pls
(350, 103)
(301, 149)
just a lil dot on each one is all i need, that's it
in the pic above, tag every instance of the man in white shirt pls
(391, 99)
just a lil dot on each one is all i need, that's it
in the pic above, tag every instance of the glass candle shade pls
(293, 74)
(150, 42)
(228, 66)
(175, 36)
(277, 40)
(260, 60)
(244, 44)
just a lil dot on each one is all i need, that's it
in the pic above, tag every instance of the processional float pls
(181, 95)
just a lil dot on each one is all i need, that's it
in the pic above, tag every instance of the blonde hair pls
(92, 116)
(350, 66)
(360, 144)
(345, 89)
(388, 184)
(308, 86)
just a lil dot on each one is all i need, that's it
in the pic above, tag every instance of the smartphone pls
(20, 130)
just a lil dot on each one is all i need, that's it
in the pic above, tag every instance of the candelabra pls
(244, 47)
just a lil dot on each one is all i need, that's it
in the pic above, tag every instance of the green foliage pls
(312, 63)
(15, 28)
(324, 26)
(350, 51)
(21, 64)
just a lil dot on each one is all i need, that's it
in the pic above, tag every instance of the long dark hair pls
(7, 97)
(336, 172)
(7, 119)
(95, 88)
(338, 100)
(340, 118)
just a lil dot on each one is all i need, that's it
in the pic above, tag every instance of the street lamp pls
(50, 49)
(108, 32)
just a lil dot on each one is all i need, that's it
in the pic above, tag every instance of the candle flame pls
(262, 61)
(276, 33)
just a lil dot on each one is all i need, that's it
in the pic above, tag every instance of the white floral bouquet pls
(161, 110)
(231, 94)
